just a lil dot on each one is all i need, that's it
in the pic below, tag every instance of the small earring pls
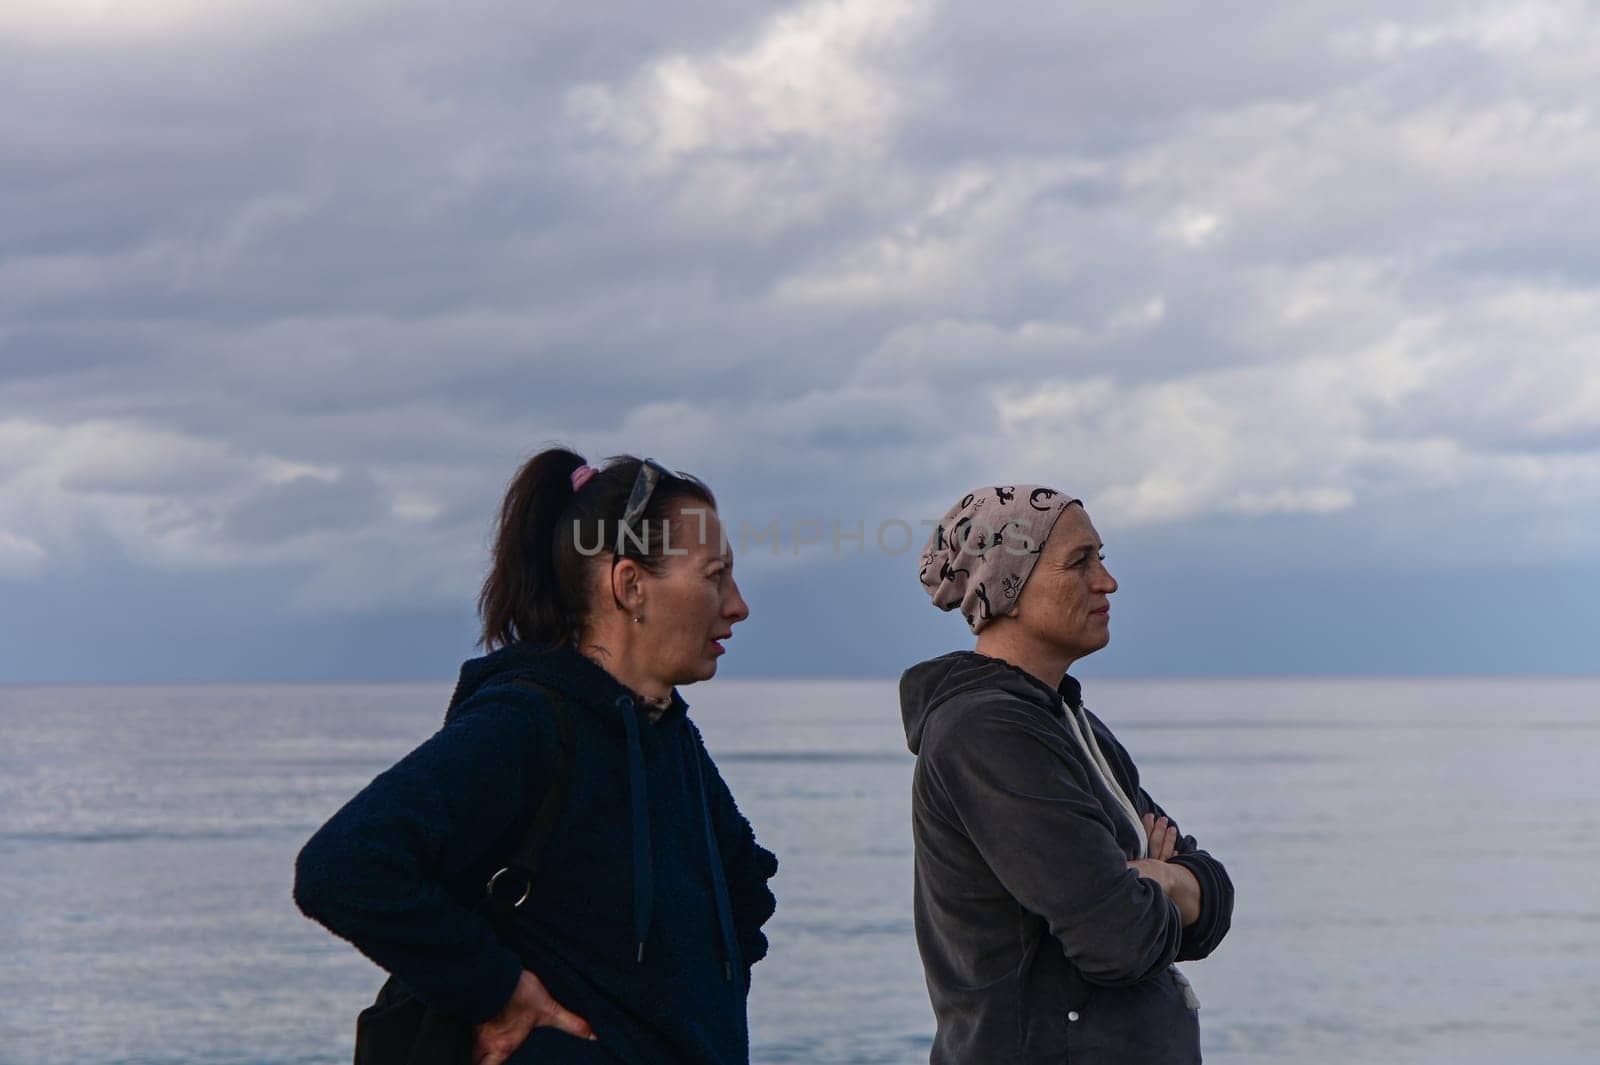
(637, 619)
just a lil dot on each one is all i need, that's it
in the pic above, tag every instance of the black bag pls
(398, 1028)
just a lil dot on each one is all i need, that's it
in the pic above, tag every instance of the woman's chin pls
(704, 669)
(1091, 645)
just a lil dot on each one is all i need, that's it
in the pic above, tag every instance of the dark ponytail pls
(537, 589)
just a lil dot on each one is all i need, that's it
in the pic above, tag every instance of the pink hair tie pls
(582, 475)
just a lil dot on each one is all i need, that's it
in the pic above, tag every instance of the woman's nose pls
(737, 609)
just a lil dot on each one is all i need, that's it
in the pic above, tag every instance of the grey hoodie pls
(1038, 942)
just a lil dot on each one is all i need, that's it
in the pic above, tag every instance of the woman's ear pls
(627, 590)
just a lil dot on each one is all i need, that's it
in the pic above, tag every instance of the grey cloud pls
(1046, 78)
(304, 505)
(31, 352)
(384, 239)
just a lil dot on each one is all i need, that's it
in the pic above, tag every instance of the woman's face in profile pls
(693, 606)
(1066, 600)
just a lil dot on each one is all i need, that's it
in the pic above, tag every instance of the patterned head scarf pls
(980, 556)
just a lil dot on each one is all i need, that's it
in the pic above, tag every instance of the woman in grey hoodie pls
(1052, 893)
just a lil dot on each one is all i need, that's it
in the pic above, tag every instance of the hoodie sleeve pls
(1024, 801)
(375, 873)
(746, 864)
(1216, 889)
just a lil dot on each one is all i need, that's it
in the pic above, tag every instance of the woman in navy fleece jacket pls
(612, 586)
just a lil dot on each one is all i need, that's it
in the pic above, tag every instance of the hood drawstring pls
(643, 872)
(719, 883)
(1101, 765)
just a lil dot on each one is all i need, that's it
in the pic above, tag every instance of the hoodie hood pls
(928, 685)
(563, 668)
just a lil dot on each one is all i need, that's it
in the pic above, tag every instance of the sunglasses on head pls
(644, 485)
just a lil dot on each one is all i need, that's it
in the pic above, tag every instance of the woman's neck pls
(1045, 664)
(650, 690)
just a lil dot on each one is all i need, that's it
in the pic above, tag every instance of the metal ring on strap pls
(526, 887)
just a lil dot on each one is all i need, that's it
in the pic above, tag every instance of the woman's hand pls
(1177, 882)
(1163, 837)
(530, 1007)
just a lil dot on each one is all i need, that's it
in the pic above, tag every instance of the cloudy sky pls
(1303, 300)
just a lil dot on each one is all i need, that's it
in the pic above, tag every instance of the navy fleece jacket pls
(1039, 943)
(641, 920)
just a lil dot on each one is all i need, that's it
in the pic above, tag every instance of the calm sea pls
(1416, 864)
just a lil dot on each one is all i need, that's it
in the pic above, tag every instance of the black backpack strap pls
(509, 887)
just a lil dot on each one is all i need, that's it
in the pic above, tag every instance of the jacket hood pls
(561, 667)
(928, 685)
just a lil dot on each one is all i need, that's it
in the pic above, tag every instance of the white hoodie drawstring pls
(1097, 759)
